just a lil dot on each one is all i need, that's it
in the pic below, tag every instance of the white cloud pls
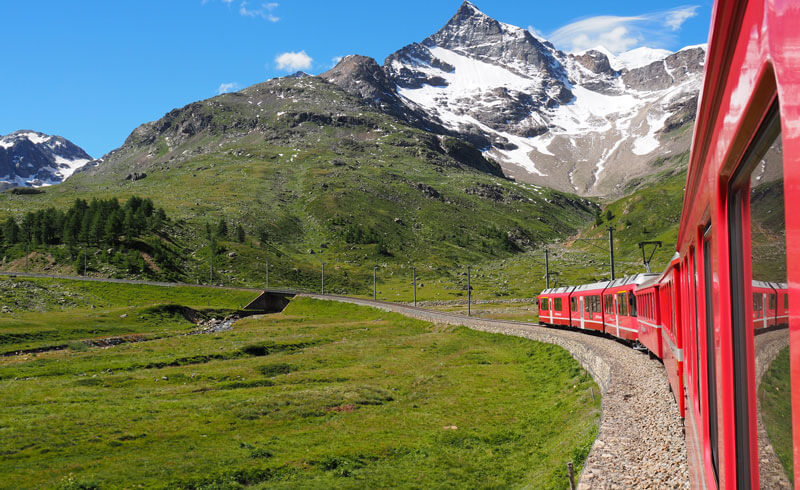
(678, 16)
(335, 60)
(293, 61)
(618, 33)
(264, 11)
(224, 88)
(536, 32)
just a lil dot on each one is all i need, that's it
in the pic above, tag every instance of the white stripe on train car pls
(649, 324)
(678, 353)
(619, 327)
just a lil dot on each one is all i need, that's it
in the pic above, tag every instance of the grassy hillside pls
(312, 175)
(322, 395)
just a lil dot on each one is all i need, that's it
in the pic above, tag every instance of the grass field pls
(46, 313)
(321, 395)
(775, 396)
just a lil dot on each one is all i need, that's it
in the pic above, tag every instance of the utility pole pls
(266, 271)
(414, 270)
(323, 278)
(374, 283)
(611, 249)
(547, 268)
(469, 293)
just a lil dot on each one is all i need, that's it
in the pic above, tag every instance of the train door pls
(582, 313)
(762, 378)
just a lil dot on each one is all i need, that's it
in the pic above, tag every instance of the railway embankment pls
(640, 441)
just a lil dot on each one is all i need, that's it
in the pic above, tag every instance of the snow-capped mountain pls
(587, 122)
(30, 158)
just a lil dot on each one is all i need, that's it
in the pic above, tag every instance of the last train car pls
(740, 228)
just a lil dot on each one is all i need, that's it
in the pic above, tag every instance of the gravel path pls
(640, 443)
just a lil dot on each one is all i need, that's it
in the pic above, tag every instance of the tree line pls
(92, 223)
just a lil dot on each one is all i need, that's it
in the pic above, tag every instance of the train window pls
(622, 303)
(757, 302)
(595, 300)
(544, 304)
(557, 304)
(773, 303)
(693, 258)
(632, 303)
(573, 303)
(609, 303)
(763, 402)
(587, 308)
(711, 354)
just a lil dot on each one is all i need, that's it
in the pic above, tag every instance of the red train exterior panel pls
(587, 299)
(647, 299)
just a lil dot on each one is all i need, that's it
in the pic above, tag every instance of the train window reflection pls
(759, 234)
(771, 342)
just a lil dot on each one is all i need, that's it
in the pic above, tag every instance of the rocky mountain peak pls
(361, 75)
(31, 158)
(473, 33)
(595, 61)
(466, 14)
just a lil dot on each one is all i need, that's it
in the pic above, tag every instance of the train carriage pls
(619, 306)
(587, 303)
(649, 320)
(554, 307)
(672, 352)
(765, 305)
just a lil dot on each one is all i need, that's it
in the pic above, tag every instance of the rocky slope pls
(29, 158)
(581, 122)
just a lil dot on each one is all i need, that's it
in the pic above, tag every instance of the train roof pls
(634, 279)
(772, 285)
(594, 285)
(561, 290)
(650, 282)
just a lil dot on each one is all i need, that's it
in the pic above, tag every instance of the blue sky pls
(93, 70)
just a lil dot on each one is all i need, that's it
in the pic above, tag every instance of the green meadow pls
(321, 395)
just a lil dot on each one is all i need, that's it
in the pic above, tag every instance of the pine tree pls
(11, 232)
(240, 234)
(113, 226)
(222, 228)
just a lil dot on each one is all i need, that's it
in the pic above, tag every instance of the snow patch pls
(68, 167)
(639, 57)
(36, 138)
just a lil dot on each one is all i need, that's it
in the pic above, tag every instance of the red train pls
(723, 316)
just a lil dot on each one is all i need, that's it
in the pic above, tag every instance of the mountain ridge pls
(579, 122)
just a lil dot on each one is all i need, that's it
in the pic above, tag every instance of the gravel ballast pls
(640, 441)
